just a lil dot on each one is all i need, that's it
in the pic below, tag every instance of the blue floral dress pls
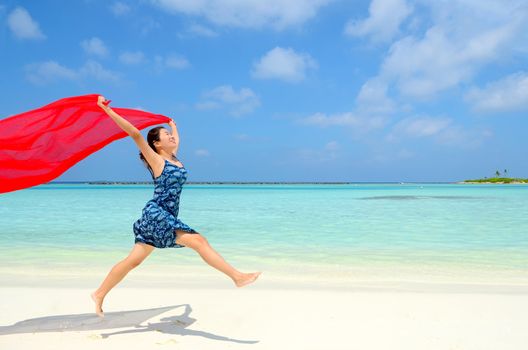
(159, 218)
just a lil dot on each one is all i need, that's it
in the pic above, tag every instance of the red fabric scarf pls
(38, 146)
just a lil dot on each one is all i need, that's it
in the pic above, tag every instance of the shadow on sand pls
(122, 319)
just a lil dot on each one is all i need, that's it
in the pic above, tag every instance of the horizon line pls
(246, 182)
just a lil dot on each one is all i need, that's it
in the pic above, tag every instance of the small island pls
(497, 179)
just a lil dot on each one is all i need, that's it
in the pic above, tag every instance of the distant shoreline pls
(492, 180)
(278, 182)
(496, 180)
(487, 182)
(238, 183)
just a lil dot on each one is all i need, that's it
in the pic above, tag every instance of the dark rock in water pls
(418, 197)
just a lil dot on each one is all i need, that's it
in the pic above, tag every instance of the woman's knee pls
(191, 240)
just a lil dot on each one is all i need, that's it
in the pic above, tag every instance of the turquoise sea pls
(473, 231)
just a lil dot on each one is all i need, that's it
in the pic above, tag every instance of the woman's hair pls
(152, 136)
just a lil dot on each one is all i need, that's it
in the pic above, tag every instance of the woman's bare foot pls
(246, 278)
(98, 304)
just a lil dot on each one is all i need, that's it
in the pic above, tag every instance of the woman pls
(159, 226)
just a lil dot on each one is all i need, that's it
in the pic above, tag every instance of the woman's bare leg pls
(200, 244)
(139, 252)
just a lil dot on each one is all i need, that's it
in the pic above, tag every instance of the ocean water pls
(341, 231)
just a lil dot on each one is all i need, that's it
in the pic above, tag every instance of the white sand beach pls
(207, 312)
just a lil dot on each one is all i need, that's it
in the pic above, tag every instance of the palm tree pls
(497, 173)
(505, 171)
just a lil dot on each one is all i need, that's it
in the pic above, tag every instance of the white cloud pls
(425, 67)
(373, 99)
(371, 113)
(226, 93)
(404, 154)
(442, 130)
(94, 46)
(146, 24)
(242, 137)
(332, 146)
(277, 14)
(283, 64)
(202, 153)
(173, 61)
(47, 72)
(239, 102)
(358, 123)
(200, 30)
(132, 58)
(387, 156)
(23, 26)
(383, 23)
(44, 73)
(208, 105)
(176, 62)
(251, 138)
(97, 71)
(455, 46)
(457, 136)
(119, 8)
(418, 127)
(330, 151)
(507, 94)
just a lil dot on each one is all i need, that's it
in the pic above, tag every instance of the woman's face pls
(166, 142)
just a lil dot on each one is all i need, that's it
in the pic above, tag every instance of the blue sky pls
(314, 90)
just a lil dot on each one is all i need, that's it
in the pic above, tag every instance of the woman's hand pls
(102, 102)
(124, 124)
(172, 123)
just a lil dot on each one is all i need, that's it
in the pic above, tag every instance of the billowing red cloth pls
(38, 146)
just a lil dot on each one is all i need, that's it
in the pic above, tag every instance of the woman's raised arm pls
(174, 132)
(153, 159)
(122, 122)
